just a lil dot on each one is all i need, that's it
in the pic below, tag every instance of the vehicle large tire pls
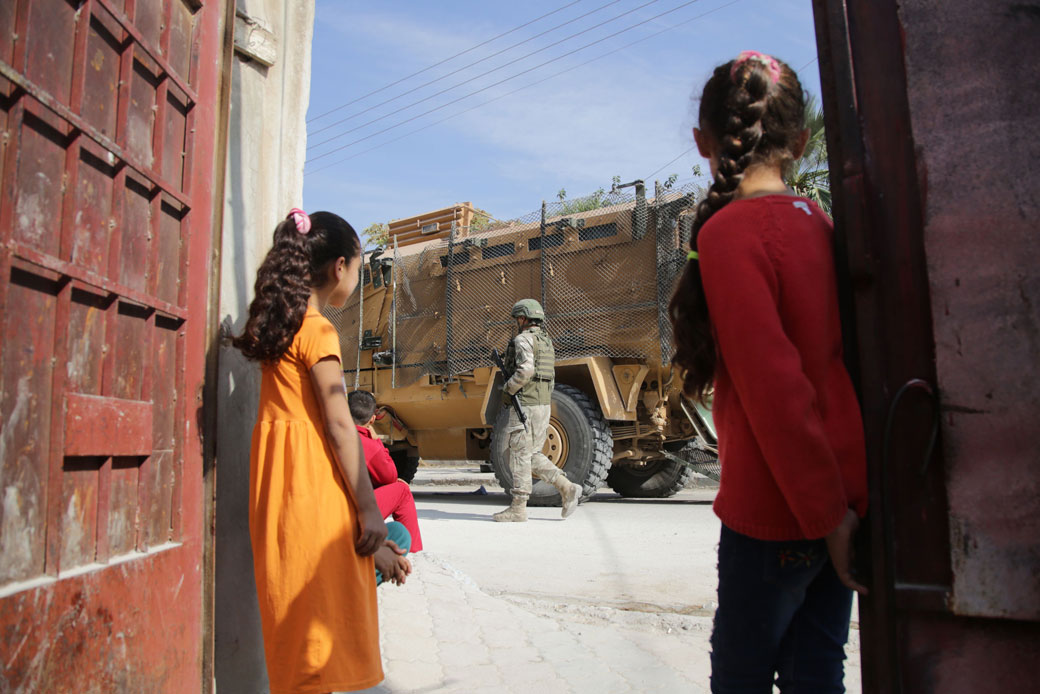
(579, 443)
(657, 479)
(406, 463)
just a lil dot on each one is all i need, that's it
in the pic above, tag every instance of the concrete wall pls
(266, 148)
(975, 116)
(975, 123)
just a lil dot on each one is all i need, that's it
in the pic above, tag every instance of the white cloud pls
(406, 39)
(625, 115)
(363, 202)
(588, 125)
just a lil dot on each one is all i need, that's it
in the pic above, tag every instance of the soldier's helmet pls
(528, 308)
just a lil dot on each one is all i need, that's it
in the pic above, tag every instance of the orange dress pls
(317, 596)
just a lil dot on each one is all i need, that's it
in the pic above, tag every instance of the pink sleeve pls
(742, 291)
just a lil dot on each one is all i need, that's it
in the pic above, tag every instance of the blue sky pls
(626, 114)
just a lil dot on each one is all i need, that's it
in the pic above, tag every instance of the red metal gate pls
(108, 122)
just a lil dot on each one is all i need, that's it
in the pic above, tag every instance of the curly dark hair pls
(754, 121)
(295, 264)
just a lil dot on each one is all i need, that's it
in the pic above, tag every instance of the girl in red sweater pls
(756, 317)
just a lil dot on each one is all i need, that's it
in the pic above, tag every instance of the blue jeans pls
(398, 533)
(782, 611)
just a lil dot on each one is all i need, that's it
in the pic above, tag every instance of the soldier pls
(531, 359)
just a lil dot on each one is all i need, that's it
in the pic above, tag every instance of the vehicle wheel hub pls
(556, 446)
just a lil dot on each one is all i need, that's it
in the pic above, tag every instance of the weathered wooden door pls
(108, 123)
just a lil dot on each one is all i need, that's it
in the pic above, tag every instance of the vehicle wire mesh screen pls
(602, 266)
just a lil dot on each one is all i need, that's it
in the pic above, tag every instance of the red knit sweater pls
(790, 431)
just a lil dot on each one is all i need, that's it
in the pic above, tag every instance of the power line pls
(464, 67)
(483, 89)
(466, 81)
(426, 69)
(527, 86)
(657, 171)
(680, 183)
(670, 163)
(508, 94)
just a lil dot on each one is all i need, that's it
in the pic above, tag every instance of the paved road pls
(648, 555)
(616, 598)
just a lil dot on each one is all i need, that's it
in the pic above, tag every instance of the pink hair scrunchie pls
(767, 61)
(302, 220)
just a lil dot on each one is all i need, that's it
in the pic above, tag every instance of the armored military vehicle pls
(432, 304)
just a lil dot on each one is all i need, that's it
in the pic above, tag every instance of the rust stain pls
(88, 638)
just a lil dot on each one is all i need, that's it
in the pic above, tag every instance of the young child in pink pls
(393, 495)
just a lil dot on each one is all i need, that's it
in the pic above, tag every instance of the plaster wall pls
(974, 123)
(266, 149)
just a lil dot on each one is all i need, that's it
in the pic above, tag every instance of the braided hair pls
(297, 262)
(754, 109)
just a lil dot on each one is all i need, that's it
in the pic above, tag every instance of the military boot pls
(569, 494)
(516, 513)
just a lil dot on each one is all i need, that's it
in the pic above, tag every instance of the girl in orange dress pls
(314, 522)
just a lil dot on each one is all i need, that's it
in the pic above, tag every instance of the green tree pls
(810, 176)
(480, 221)
(594, 201)
(597, 199)
(376, 234)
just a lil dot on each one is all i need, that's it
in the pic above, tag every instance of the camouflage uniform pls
(531, 360)
(530, 356)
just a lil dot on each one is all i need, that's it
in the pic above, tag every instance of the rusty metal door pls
(941, 286)
(107, 115)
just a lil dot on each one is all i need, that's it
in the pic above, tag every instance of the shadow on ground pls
(500, 498)
(432, 514)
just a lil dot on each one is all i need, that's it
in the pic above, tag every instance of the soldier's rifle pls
(513, 397)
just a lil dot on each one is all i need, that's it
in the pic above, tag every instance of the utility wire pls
(695, 146)
(680, 183)
(670, 163)
(483, 89)
(527, 86)
(466, 81)
(427, 69)
(468, 65)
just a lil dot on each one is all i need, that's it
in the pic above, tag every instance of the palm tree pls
(810, 176)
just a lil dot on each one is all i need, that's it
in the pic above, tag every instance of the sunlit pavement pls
(617, 598)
